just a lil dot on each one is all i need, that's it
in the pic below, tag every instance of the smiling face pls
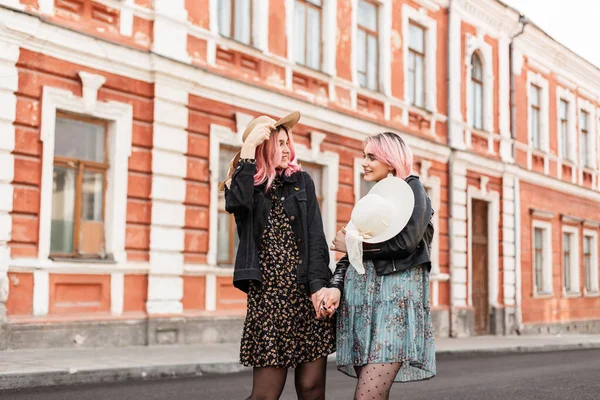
(374, 170)
(284, 146)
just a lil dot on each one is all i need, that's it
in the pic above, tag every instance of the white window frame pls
(260, 23)
(328, 35)
(574, 260)
(120, 119)
(221, 135)
(537, 79)
(594, 264)
(477, 44)
(569, 97)
(585, 105)
(547, 289)
(384, 18)
(411, 14)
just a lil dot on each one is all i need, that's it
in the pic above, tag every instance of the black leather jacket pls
(409, 248)
(251, 207)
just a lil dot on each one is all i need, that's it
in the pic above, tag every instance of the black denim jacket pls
(251, 207)
(409, 248)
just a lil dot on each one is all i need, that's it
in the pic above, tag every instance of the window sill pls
(312, 72)
(571, 295)
(82, 260)
(229, 43)
(595, 293)
(543, 295)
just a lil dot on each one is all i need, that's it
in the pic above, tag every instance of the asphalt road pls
(543, 376)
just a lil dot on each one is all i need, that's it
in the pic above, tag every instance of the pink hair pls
(268, 157)
(390, 149)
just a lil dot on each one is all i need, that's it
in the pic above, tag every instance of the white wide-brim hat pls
(379, 216)
(384, 211)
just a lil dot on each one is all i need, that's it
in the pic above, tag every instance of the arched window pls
(476, 98)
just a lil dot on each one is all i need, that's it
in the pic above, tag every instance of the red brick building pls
(118, 119)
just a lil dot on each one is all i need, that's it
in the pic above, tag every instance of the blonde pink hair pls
(268, 157)
(390, 149)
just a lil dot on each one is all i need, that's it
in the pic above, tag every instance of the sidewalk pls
(29, 368)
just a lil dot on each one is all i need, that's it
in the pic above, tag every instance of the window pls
(570, 260)
(308, 22)
(368, 45)
(535, 117)
(542, 258)
(587, 262)
(476, 107)
(584, 154)
(590, 261)
(567, 261)
(563, 112)
(235, 19)
(316, 173)
(79, 187)
(416, 65)
(539, 259)
(227, 238)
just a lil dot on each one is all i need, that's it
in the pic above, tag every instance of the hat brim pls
(403, 201)
(288, 122)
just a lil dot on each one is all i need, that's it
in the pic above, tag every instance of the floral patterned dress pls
(386, 319)
(281, 329)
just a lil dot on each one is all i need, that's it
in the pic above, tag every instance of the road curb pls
(113, 375)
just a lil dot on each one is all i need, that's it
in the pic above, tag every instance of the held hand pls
(339, 242)
(259, 134)
(332, 301)
(317, 300)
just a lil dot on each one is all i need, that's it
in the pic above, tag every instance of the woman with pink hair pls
(282, 262)
(384, 327)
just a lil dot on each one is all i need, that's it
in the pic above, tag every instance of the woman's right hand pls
(331, 301)
(259, 134)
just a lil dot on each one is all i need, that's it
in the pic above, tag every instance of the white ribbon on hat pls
(354, 248)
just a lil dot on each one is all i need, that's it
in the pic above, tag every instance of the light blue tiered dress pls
(386, 319)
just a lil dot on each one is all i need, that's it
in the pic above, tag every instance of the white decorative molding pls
(458, 222)
(477, 44)
(241, 122)
(543, 214)
(517, 62)
(120, 118)
(9, 83)
(510, 214)
(41, 293)
(434, 186)
(591, 224)
(586, 105)
(456, 136)
(353, 40)
(503, 98)
(170, 30)
(385, 47)
(541, 82)
(316, 138)
(260, 24)
(126, 17)
(91, 84)
(117, 293)
(211, 292)
(169, 189)
(483, 181)
(430, 78)
(428, 4)
(493, 199)
(46, 6)
(13, 4)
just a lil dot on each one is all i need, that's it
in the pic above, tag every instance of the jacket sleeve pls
(405, 242)
(239, 197)
(339, 275)
(318, 252)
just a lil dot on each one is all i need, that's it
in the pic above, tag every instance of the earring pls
(390, 175)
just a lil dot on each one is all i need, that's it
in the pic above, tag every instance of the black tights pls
(309, 378)
(375, 381)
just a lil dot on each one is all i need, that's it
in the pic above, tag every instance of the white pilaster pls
(170, 32)
(458, 221)
(503, 99)
(169, 169)
(455, 119)
(117, 293)
(9, 82)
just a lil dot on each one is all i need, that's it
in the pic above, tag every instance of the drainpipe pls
(513, 133)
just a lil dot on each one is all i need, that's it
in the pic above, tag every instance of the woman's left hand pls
(339, 243)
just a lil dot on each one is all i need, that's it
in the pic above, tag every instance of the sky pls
(573, 23)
